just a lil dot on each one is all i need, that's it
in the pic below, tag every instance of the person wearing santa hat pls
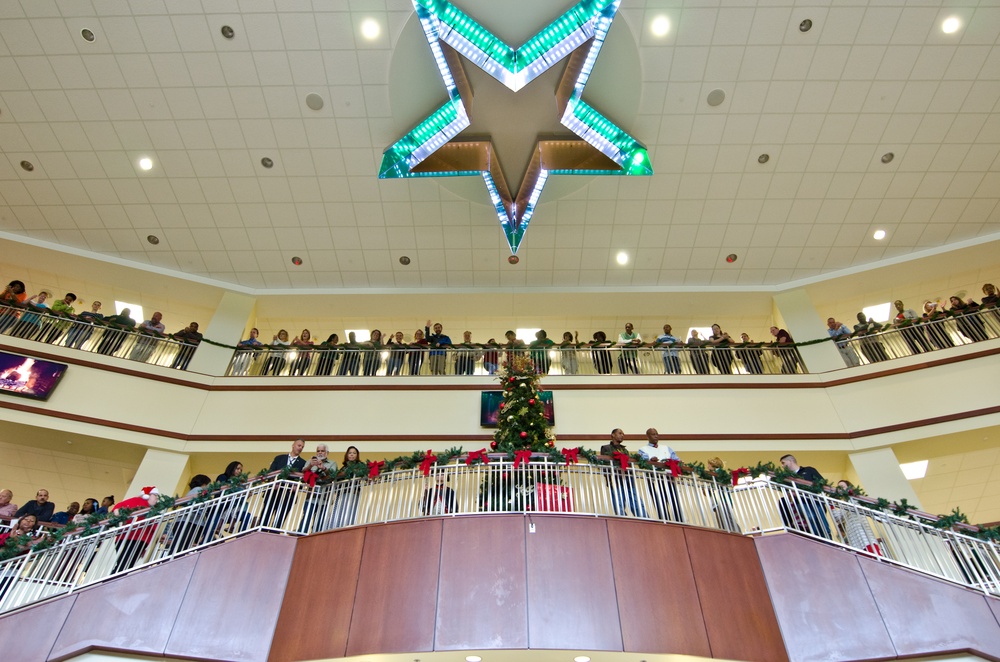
(132, 544)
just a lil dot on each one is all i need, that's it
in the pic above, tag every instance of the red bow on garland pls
(374, 468)
(675, 468)
(571, 455)
(742, 471)
(309, 478)
(477, 455)
(427, 462)
(521, 456)
(621, 458)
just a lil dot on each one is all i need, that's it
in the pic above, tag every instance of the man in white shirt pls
(628, 361)
(664, 487)
(840, 334)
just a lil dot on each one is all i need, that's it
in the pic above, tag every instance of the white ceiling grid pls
(825, 105)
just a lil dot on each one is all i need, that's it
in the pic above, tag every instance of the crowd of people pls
(920, 331)
(32, 318)
(398, 353)
(38, 516)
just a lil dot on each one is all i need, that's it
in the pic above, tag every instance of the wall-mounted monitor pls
(29, 377)
(493, 400)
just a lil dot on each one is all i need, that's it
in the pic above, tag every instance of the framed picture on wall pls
(28, 377)
(492, 401)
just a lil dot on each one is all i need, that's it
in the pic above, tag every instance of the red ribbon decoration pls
(675, 468)
(621, 458)
(477, 455)
(427, 462)
(309, 478)
(742, 471)
(521, 456)
(374, 468)
(571, 455)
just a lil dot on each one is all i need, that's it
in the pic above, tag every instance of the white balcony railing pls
(93, 336)
(757, 507)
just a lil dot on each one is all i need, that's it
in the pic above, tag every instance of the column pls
(227, 326)
(880, 476)
(163, 470)
(804, 323)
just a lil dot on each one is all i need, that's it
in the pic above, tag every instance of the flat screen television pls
(29, 377)
(492, 401)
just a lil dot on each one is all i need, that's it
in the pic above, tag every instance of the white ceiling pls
(159, 80)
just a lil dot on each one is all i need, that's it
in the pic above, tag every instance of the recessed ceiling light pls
(660, 26)
(763, 158)
(732, 257)
(887, 157)
(806, 25)
(914, 470)
(879, 235)
(146, 163)
(297, 261)
(370, 29)
(581, 658)
(87, 35)
(227, 32)
(266, 162)
(28, 165)
(950, 25)
(513, 259)
(404, 260)
(153, 239)
(716, 97)
(473, 658)
(314, 101)
(622, 257)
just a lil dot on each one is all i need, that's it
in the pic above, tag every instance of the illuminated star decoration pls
(430, 151)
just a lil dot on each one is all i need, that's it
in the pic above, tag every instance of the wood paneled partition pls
(568, 582)
(513, 582)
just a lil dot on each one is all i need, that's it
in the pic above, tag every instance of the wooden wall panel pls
(925, 616)
(397, 589)
(657, 597)
(482, 596)
(819, 593)
(738, 614)
(139, 612)
(319, 600)
(571, 588)
(28, 635)
(232, 603)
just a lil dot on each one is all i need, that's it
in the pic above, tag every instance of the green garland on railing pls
(778, 474)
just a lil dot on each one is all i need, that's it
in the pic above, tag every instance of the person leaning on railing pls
(751, 354)
(854, 526)
(190, 338)
(905, 320)
(345, 509)
(937, 332)
(276, 357)
(131, 545)
(53, 329)
(12, 297)
(83, 327)
(600, 352)
(567, 353)
(867, 329)
(114, 335)
(328, 355)
(31, 320)
(970, 324)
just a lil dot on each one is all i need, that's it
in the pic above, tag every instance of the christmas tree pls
(521, 423)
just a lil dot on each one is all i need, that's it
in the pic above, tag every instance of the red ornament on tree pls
(524, 435)
(511, 380)
(493, 445)
(531, 401)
